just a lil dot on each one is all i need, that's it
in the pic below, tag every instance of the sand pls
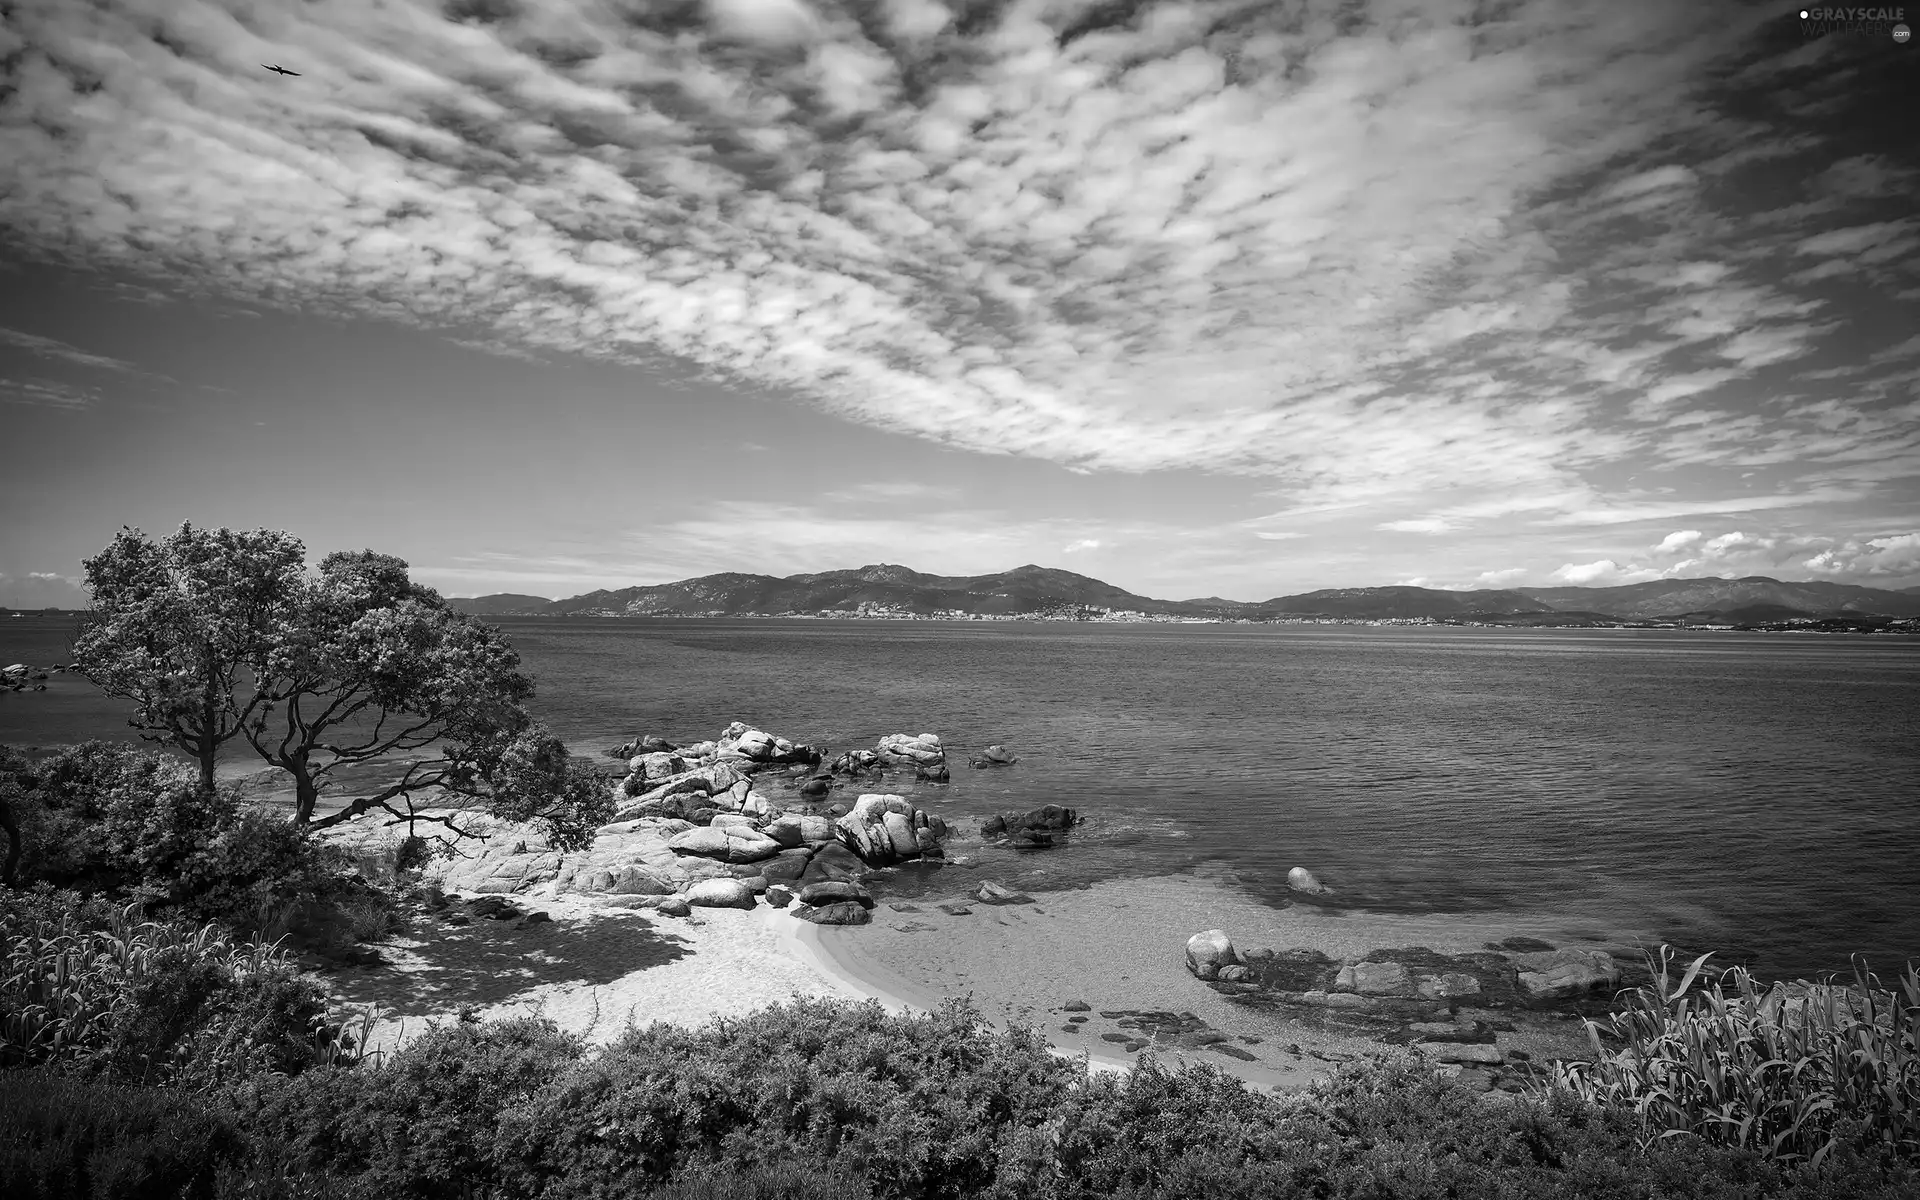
(595, 970)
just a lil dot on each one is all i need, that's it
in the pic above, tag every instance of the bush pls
(916, 1104)
(151, 1001)
(425, 1122)
(61, 1138)
(112, 817)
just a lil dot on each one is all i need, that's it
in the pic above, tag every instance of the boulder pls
(835, 892)
(781, 868)
(832, 861)
(720, 893)
(800, 829)
(728, 843)
(919, 750)
(816, 786)
(1563, 974)
(1302, 880)
(1375, 979)
(779, 895)
(1049, 818)
(1208, 952)
(855, 762)
(674, 906)
(934, 774)
(993, 756)
(884, 829)
(834, 914)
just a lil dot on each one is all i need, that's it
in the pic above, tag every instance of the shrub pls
(112, 817)
(916, 1104)
(424, 1122)
(1794, 1078)
(152, 1001)
(63, 1138)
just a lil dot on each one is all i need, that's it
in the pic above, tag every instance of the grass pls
(1792, 1076)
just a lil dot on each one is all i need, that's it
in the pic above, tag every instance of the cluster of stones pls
(1038, 829)
(1141, 1028)
(22, 678)
(1412, 995)
(691, 830)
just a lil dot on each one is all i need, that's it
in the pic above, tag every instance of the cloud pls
(1602, 572)
(1505, 577)
(1417, 525)
(1677, 541)
(889, 491)
(1896, 556)
(59, 351)
(1277, 535)
(48, 393)
(42, 589)
(1368, 254)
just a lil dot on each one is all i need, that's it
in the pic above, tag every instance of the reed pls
(153, 1001)
(1792, 1073)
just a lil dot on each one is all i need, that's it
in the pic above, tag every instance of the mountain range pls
(884, 588)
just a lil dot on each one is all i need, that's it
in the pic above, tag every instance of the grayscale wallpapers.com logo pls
(1857, 22)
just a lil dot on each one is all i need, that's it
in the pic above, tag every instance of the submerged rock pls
(1302, 880)
(993, 756)
(844, 913)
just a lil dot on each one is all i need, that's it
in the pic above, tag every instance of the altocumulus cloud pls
(1217, 234)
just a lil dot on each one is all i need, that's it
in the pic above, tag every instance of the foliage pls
(68, 1139)
(1794, 1078)
(221, 634)
(110, 816)
(176, 624)
(425, 1122)
(151, 1001)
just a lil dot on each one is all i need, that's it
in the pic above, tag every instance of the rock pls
(992, 893)
(1232, 1051)
(733, 820)
(456, 918)
(800, 829)
(994, 756)
(920, 750)
(1076, 1006)
(1347, 1000)
(1463, 1052)
(855, 762)
(1049, 818)
(834, 914)
(816, 787)
(674, 906)
(1562, 974)
(720, 893)
(935, 774)
(729, 843)
(1234, 974)
(832, 861)
(1453, 983)
(904, 908)
(955, 909)
(835, 892)
(1302, 880)
(536, 917)
(885, 829)
(1209, 951)
(1375, 979)
(782, 869)
(639, 881)
(779, 895)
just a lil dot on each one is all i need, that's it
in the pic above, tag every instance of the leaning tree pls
(355, 665)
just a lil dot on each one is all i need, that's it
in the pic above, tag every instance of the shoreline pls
(1117, 947)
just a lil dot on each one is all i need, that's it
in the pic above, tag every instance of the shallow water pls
(1756, 794)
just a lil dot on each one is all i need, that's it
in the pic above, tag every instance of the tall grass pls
(1793, 1073)
(152, 1001)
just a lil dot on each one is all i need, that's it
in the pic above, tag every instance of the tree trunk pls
(306, 793)
(209, 747)
(13, 843)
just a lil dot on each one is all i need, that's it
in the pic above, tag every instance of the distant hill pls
(885, 587)
(500, 604)
(1666, 597)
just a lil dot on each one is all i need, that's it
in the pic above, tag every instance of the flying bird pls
(280, 70)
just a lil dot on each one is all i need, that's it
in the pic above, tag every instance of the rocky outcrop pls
(833, 914)
(1559, 974)
(922, 750)
(741, 743)
(727, 843)
(884, 829)
(856, 762)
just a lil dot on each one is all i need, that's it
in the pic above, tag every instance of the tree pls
(176, 623)
(356, 664)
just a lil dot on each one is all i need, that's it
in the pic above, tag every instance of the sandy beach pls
(1116, 947)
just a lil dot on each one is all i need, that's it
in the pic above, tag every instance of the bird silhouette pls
(280, 70)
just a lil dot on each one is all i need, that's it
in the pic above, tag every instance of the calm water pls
(1756, 794)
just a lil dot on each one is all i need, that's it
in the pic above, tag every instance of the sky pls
(1238, 298)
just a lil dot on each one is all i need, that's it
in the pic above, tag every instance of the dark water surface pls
(1756, 794)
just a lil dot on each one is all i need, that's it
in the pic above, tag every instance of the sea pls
(1753, 794)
